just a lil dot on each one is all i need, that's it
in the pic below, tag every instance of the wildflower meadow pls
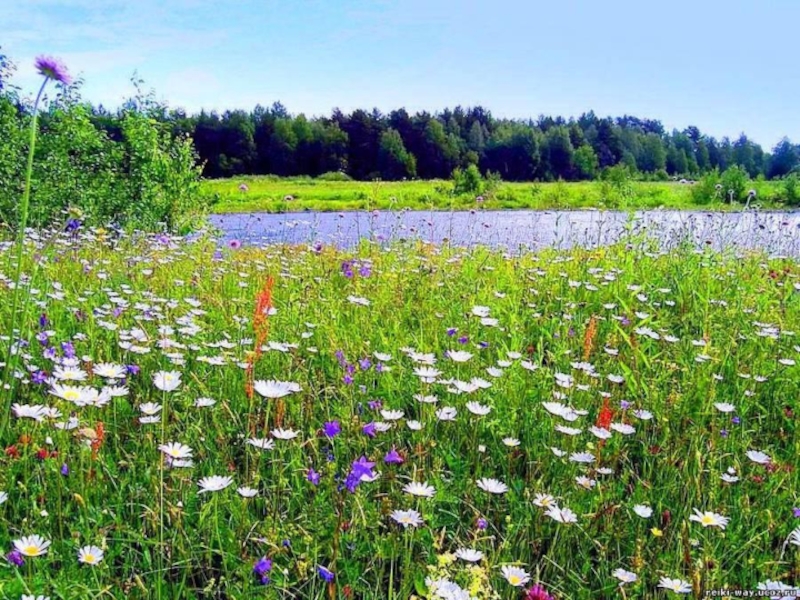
(190, 422)
(185, 418)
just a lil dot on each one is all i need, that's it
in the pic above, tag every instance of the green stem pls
(23, 223)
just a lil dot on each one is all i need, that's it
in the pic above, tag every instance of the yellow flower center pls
(707, 520)
(514, 579)
(30, 550)
(71, 395)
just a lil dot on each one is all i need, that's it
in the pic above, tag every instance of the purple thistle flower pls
(379, 368)
(537, 592)
(350, 369)
(42, 337)
(326, 574)
(796, 512)
(484, 345)
(463, 339)
(340, 357)
(393, 457)
(64, 470)
(43, 321)
(286, 543)
(365, 364)
(132, 369)
(482, 523)
(313, 476)
(332, 428)
(624, 405)
(452, 331)
(234, 244)
(365, 271)
(39, 377)
(736, 420)
(53, 68)
(49, 353)
(375, 404)
(369, 429)
(15, 558)
(723, 433)
(348, 379)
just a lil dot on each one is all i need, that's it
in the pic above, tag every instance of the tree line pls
(367, 145)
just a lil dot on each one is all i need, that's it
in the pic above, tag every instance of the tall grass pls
(610, 331)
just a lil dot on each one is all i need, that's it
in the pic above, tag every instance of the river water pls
(778, 233)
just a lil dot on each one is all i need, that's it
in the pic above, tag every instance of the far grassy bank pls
(272, 194)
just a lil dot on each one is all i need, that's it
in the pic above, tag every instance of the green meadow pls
(274, 194)
(185, 422)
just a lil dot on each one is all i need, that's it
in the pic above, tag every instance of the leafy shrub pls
(467, 181)
(708, 189)
(616, 185)
(335, 176)
(735, 182)
(141, 176)
(791, 190)
(492, 183)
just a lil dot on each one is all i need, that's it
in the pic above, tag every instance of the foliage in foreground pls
(625, 386)
(140, 175)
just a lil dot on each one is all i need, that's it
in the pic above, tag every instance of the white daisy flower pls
(215, 483)
(469, 555)
(90, 555)
(515, 576)
(407, 517)
(493, 486)
(422, 490)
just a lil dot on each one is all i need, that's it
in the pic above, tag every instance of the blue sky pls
(724, 66)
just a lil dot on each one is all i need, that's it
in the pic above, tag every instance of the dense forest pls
(369, 144)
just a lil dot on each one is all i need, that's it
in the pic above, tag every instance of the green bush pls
(616, 185)
(467, 181)
(735, 181)
(143, 177)
(791, 190)
(708, 189)
(335, 176)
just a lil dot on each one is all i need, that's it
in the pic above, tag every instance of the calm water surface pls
(776, 232)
